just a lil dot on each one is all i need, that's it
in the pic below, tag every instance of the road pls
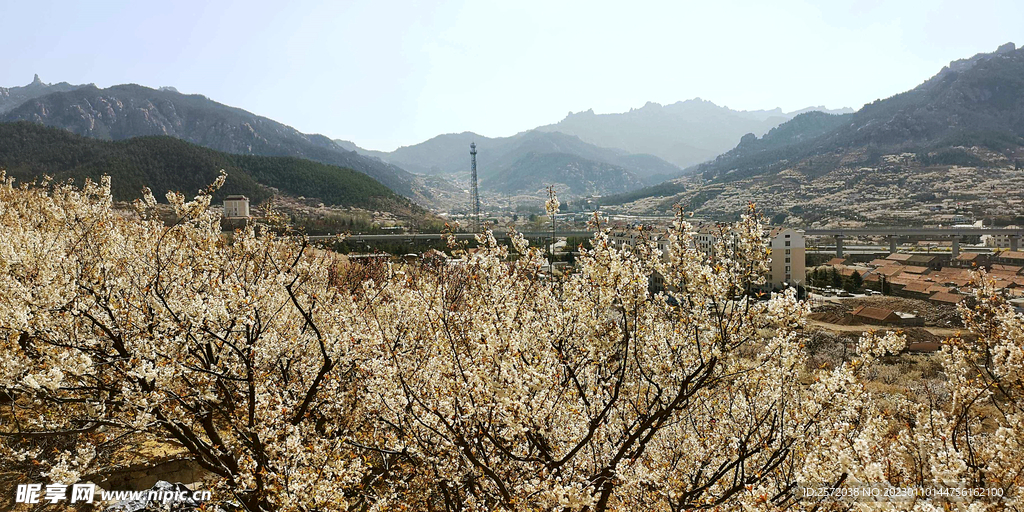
(943, 332)
(460, 236)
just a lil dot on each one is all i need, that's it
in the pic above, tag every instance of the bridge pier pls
(839, 246)
(1014, 242)
(893, 242)
(956, 246)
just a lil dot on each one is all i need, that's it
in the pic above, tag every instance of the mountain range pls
(969, 116)
(530, 161)
(684, 133)
(646, 159)
(125, 111)
(585, 154)
(622, 152)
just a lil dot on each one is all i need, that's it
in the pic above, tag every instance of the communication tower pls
(476, 192)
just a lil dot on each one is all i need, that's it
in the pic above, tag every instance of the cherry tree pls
(506, 391)
(116, 329)
(481, 383)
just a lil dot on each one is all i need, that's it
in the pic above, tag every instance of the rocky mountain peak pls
(588, 112)
(964, 64)
(11, 97)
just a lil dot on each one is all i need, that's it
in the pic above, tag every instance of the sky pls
(387, 73)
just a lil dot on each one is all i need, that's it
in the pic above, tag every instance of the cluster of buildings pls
(1002, 241)
(788, 259)
(938, 278)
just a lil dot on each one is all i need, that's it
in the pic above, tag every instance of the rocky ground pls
(934, 315)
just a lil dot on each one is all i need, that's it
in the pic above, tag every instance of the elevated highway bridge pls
(955, 234)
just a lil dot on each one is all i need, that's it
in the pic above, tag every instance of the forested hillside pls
(126, 111)
(28, 151)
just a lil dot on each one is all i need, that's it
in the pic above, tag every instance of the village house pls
(236, 207)
(970, 260)
(873, 315)
(1015, 258)
(924, 260)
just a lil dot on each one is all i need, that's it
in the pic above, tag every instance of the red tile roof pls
(876, 313)
(949, 298)
(917, 287)
(1007, 268)
(890, 271)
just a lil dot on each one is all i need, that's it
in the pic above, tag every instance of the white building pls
(623, 239)
(788, 259)
(788, 248)
(998, 241)
(236, 207)
(706, 237)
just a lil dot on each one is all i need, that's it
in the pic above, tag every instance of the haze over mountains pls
(973, 103)
(530, 161)
(621, 151)
(684, 133)
(585, 154)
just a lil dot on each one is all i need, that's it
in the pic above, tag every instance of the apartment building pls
(998, 241)
(788, 258)
(788, 264)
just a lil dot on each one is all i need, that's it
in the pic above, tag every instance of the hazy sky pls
(385, 74)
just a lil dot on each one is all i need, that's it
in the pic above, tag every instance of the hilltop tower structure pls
(476, 192)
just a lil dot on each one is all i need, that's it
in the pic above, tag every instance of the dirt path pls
(943, 332)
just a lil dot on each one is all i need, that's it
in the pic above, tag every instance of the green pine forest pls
(29, 151)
